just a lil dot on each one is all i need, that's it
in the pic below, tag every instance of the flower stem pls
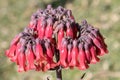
(59, 73)
(58, 68)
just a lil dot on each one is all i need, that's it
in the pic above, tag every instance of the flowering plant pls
(53, 40)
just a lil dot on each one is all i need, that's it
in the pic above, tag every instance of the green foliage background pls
(103, 14)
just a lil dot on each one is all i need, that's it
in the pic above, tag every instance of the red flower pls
(39, 52)
(94, 55)
(69, 56)
(74, 55)
(82, 58)
(49, 29)
(41, 30)
(30, 58)
(87, 52)
(49, 55)
(63, 54)
(98, 44)
(17, 52)
(21, 62)
(11, 52)
(54, 33)
(60, 35)
(39, 22)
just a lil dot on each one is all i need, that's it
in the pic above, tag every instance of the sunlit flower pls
(54, 32)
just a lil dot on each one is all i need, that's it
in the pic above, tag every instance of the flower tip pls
(103, 52)
(106, 51)
(7, 53)
(32, 67)
(20, 69)
(14, 59)
(83, 67)
(94, 61)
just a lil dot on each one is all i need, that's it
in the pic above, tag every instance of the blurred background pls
(103, 14)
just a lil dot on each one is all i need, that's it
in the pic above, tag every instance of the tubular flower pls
(63, 53)
(69, 56)
(49, 56)
(49, 29)
(54, 32)
(82, 58)
(60, 36)
(74, 55)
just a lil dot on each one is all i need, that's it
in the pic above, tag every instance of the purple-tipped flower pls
(55, 33)
(82, 58)
(74, 55)
(63, 53)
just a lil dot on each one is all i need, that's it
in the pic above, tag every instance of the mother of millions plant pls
(53, 40)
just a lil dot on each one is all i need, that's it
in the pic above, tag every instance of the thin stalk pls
(59, 73)
(58, 69)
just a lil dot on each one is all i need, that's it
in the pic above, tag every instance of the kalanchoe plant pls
(53, 40)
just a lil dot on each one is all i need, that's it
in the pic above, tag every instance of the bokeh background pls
(103, 14)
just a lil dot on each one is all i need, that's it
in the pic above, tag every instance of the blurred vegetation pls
(103, 14)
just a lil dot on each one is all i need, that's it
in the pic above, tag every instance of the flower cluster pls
(54, 31)
(31, 52)
(84, 49)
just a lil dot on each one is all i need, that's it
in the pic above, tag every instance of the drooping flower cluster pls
(54, 31)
